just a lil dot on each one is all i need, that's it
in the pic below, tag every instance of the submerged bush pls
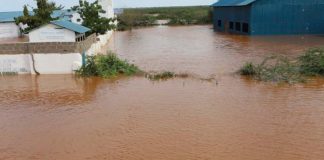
(281, 71)
(248, 69)
(312, 62)
(165, 75)
(161, 76)
(107, 66)
(274, 69)
(90, 68)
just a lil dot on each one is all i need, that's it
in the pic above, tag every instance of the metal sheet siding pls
(231, 14)
(71, 26)
(270, 17)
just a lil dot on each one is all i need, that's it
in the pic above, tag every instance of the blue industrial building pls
(269, 17)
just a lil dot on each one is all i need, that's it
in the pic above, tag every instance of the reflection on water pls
(65, 117)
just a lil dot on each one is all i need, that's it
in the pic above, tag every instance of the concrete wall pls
(9, 30)
(15, 64)
(48, 47)
(51, 33)
(42, 63)
(57, 63)
(102, 40)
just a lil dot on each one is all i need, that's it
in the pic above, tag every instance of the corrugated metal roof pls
(10, 16)
(71, 26)
(227, 3)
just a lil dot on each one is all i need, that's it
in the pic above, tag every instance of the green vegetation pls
(249, 69)
(107, 66)
(90, 14)
(273, 69)
(138, 17)
(164, 75)
(279, 69)
(312, 63)
(41, 16)
(110, 66)
(161, 76)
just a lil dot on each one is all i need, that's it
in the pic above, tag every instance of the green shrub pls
(90, 68)
(312, 63)
(110, 65)
(248, 69)
(107, 66)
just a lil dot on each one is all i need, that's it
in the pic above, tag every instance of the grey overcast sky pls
(14, 5)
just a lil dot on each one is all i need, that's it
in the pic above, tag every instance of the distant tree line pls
(138, 17)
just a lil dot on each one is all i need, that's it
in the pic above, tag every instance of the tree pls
(26, 12)
(41, 15)
(90, 14)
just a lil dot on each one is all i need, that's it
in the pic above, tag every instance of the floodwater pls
(132, 118)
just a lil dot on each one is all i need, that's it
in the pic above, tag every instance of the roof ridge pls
(227, 3)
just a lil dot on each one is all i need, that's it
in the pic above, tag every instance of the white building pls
(8, 27)
(58, 31)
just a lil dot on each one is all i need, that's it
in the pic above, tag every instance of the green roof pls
(71, 26)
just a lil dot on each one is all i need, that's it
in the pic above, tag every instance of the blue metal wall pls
(230, 14)
(275, 17)
(270, 17)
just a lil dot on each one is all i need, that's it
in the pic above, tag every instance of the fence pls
(48, 47)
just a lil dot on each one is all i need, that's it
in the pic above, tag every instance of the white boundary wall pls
(44, 63)
(97, 47)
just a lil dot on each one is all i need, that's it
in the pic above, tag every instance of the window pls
(231, 25)
(245, 27)
(219, 23)
(238, 26)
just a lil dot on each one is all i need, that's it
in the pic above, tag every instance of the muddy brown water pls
(64, 117)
